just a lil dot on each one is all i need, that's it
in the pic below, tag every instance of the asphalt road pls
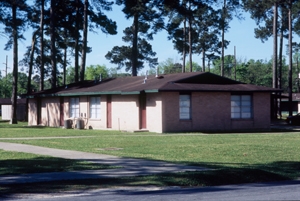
(289, 190)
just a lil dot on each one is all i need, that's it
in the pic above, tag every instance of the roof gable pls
(207, 78)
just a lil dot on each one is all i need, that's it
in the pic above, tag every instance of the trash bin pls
(79, 124)
(67, 124)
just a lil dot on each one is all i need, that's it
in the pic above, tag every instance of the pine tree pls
(14, 19)
(147, 21)
(122, 55)
(97, 18)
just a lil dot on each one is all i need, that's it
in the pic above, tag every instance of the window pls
(185, 107)
(74, 108)
(241, 106)
(95, 109)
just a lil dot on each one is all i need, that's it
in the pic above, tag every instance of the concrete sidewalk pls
(129, 166)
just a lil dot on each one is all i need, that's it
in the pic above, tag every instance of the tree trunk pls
(190, 41)
(85, 32)
(223, 37)
(65, 66)
(31, 61)
(134, 57)
(42, 46)
(290, 59)
(184, 45)
(280, 67)
(275, 19)
(203, 61)
(53, 48)
(77, 41)
(275, 45)
(13, 119)
(30, 71)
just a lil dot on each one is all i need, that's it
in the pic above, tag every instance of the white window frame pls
(241, 106)
(184, 106)
(74, 110)
(95, 107)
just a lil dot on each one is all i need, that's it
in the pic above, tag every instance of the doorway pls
(108, 111)
(143, 122)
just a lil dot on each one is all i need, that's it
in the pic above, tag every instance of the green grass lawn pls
(235, 158)
(22, 163)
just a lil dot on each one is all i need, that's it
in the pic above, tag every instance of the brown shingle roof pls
(196, 81)
(7, 101)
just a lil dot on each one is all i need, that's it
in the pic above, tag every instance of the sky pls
(240, 35)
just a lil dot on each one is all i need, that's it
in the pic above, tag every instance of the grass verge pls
(235, 158)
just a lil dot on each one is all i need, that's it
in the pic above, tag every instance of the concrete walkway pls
(281, 125)
(129, 166)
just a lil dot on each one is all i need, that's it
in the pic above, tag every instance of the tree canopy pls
(60, 35)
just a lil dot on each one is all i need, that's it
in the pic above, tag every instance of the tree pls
(227, 62)
(107, 26)
(168, 66)
(70, 75)
(5, 88)
(290, 57)
(42, 45)
(262, 11)
(53, 39)
(64, 18)
(96, 72)
(229, 9)
(84, 44)
(207, 38)
(146, 21)
(202, 31)
(7, 82)
(14, 19)
(270, 12)
(123, 56)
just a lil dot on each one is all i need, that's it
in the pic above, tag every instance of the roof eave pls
(85, 94)
(202, 90)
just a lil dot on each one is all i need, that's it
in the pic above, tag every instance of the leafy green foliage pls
(70, 75)
(171, 66)
(95, 71)
(122, 55)
(6, 85)
(204, 31)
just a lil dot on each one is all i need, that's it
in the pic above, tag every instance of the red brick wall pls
(211, 111)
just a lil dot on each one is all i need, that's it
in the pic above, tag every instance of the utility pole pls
(6, 67)
(234, 63)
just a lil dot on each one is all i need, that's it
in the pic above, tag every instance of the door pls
(143, 123)
(61, 108)
(108, 111)
(39, 111)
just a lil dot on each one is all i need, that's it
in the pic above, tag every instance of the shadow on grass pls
(221, 175)
(282, 129)
(20, 124)
(46, 164)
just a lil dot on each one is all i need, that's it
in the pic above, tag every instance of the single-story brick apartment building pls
(198, 101)
(5, 109)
